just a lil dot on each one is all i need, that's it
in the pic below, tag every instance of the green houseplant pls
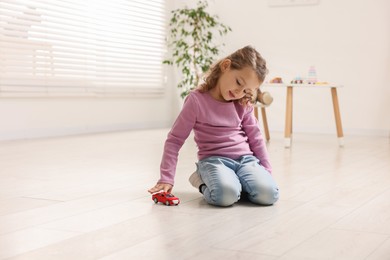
(192, 42)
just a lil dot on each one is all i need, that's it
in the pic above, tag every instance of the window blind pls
(82, 47)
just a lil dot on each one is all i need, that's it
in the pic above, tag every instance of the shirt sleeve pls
(180, 131)
(255, 138)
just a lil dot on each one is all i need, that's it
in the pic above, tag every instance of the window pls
(91, 47)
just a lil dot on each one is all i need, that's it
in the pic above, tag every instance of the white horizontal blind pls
(88, 46)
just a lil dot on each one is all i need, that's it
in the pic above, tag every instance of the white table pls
(289, 107)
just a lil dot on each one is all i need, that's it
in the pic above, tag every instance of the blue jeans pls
(226, 178)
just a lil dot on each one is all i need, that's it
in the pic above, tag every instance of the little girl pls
(232, 154)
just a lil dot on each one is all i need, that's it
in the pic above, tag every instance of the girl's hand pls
(248, 98)
(161, 186)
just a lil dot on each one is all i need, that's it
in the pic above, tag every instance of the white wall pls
(41, 117)
(348, 42)
(45, 117)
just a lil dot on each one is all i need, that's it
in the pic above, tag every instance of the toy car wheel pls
(167, 203)
(155, 200)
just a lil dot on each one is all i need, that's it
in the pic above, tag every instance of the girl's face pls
(235, 84)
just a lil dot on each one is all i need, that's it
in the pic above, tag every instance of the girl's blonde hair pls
(245, 57)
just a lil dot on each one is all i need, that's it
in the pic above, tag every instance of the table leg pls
(337, 116)
(265, 124)
(288, 125)
(256, 111)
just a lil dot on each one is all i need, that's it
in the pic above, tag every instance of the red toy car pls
(166, 198)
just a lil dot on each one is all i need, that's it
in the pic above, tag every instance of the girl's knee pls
(265, 196)
(224, 196)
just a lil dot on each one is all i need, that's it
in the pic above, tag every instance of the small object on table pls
(321, 83)
(297, 80)
(276, 80)
(165, 198)
(312, 75)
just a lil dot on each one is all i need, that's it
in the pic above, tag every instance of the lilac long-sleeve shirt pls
(221, 129)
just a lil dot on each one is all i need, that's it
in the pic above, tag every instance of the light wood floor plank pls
(29, 239)
(336, 244)
(373, 216)
(382, 252)
(85, 197)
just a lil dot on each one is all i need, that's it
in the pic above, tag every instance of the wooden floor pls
(85, 197)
